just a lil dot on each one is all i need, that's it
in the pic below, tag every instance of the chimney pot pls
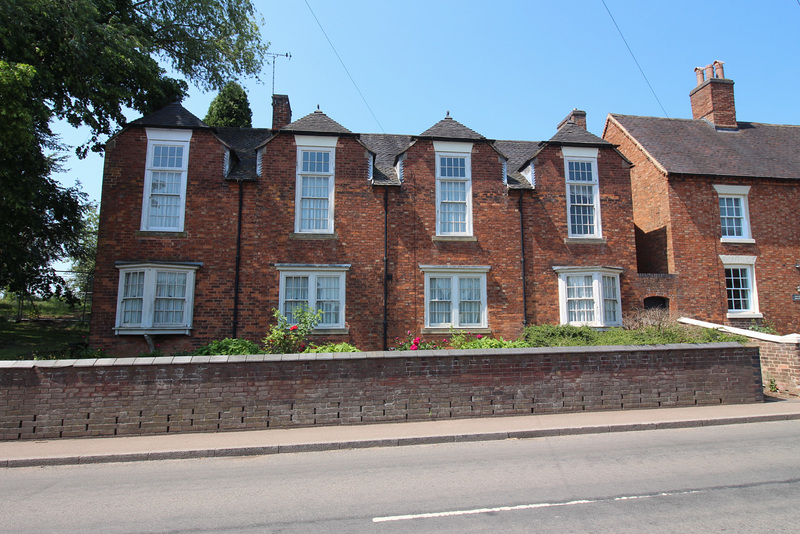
(698, 71)
(709, 71)
(718, 69)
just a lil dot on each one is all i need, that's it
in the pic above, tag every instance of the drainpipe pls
(522, 254)
(238, 262)
(386, 276)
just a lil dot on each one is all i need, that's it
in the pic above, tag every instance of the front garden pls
(62, 339)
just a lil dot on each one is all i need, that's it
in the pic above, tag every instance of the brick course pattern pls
(780, 362)
(135, 396)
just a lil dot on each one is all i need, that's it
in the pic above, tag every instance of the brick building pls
(715, 207)
(204, 231)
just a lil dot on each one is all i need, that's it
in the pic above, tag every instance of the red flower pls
(478, 336)
(293, 328)
(414, 347)
(416, 341)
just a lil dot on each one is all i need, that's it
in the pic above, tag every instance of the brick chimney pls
(712, 99)
(281, 111)
(576, 116)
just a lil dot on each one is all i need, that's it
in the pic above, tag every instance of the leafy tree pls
(230, 108)
(39, 220)
(86, 61)
(83, 261)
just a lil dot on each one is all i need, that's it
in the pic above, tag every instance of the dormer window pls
(453, 188)
(583, 197)
(315, 184)
(164, 198)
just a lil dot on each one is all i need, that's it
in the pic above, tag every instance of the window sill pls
(303, 236)
(330, 331)
(737, 240)
(152, 233)
(134, 331)
(585, 240)
(453, 238)
(453, 330)
(745, 315)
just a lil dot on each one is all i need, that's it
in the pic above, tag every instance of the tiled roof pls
(243, 141)
(518, 154)
(449, 128)
(172, 116)
(572, 134)
(317, 122)
(690, 146)
(386, 148)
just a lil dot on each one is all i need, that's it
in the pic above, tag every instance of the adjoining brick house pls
(715, 206)
(204, 231)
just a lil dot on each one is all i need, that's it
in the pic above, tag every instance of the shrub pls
(332, 347)
(547, 335)
(570, 336)
(469, 340)
(228, 347)
(285, 338)
(412, 342)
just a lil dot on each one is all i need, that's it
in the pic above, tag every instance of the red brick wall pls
(153, 396)
(545, 211)
(780, 362)
(209, 237)
(268, 227)
(692, 230)
(650, 209)
(412, 215)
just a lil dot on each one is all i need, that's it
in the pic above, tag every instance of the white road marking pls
(524, 507)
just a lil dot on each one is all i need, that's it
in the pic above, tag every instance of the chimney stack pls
(281, 111)
(712, 99)
(576, 116)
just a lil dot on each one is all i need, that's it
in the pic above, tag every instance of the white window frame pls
(598, 276)
(454, 149)
(150, 272)
(742, 262)
(455, 274)
(741, 193)
(582, 155)
(310, 143)
(312, 272)
(165, 138)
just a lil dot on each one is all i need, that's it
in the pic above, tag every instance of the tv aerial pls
(274, 57)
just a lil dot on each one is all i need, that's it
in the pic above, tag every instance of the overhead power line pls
(345, 67)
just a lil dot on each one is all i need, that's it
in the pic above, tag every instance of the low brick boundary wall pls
(130, 396)
(780, 355)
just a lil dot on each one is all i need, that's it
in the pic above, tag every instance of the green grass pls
(49, 329)
(41, 339)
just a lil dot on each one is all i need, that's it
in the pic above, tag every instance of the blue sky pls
(509, 69)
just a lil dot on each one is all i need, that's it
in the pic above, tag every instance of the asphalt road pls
(739, 478)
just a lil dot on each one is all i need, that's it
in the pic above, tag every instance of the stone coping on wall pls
(193, 360)
(793, 339)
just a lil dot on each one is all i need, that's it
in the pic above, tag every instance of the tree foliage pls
(39, 220)
(230, 108)
(83, 260)
(94, 58)
(86, 61)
